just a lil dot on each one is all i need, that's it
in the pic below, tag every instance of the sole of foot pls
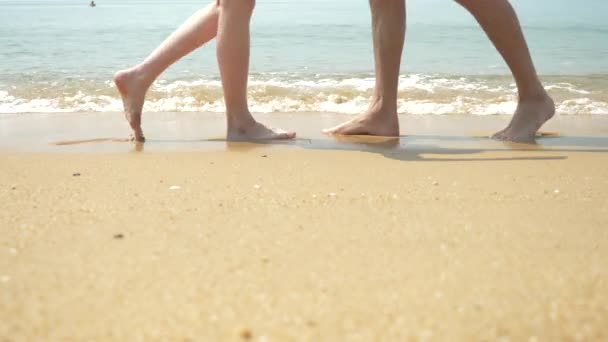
(133, 95)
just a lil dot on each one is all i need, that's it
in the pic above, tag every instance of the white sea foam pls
(567, 86)
(353, 106)
(418, 94)
(582, 105)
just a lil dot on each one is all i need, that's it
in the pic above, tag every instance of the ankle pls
(533, 94)
(142, 76)
(241, 120)
(383, 107)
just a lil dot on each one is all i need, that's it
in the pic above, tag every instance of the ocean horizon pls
(314, 56)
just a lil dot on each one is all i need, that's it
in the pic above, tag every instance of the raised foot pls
(132, 90)
(258, 131)
(527, 120)
(368, 124)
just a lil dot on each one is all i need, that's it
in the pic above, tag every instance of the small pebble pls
(119, 236)
(246, 334)
(256, 186)
(174, 187)
(435, 183)
(264, 156)
(556, 191)
(314, 196)
(331, 194)
(76, 174)
(14, 188)
(5, 279)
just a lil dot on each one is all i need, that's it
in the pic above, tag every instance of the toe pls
(523, 138)
(333, 130)
(284, 135)
(137, 137)
(500, 135)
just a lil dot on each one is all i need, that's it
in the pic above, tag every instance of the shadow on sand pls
(419, 147)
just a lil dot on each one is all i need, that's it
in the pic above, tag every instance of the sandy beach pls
(437, 235)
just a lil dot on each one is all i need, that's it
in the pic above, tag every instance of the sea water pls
(313, 55)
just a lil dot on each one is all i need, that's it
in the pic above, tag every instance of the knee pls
(245, 6)
(378, 4)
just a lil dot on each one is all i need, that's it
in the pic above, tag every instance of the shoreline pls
(192, 131)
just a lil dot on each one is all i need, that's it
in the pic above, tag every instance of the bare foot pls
(527, 120)
(257, 131)
(133, 90)
(371, 123)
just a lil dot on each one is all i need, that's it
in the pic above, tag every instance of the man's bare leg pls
(535, 107)
(133, 83)
(233, 59)
(388, 29)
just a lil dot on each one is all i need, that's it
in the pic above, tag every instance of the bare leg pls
(388, 29)
(133, 83)
(535, 107)
(233, 60)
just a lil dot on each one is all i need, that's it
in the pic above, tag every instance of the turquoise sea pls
(313, 55)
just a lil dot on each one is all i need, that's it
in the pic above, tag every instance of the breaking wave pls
(418, 94)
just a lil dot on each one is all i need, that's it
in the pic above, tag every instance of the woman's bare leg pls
(133, 83)
(499, 20)
(233, 59)
(388, 30)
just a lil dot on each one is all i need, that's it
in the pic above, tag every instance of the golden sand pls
(320, 240)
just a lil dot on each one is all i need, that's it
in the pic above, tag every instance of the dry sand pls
(440, 237)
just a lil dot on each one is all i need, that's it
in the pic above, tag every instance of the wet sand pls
(103, 132)
(437, 235)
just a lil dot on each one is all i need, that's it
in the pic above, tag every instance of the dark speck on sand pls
(246, 334)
